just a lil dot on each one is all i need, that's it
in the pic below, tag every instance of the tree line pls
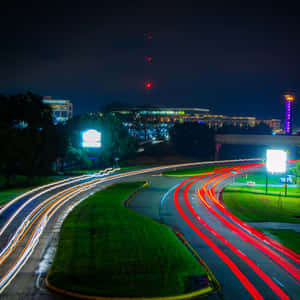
(32, 145)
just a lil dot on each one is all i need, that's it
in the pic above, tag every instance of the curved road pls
(247, 264)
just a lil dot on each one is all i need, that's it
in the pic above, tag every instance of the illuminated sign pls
(276, 161)
(91, 139)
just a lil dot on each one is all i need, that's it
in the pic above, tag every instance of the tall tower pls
(148, 85)
(289, 98)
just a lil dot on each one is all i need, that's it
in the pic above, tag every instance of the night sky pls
(227, 57)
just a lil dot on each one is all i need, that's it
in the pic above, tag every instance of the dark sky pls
(229, 57)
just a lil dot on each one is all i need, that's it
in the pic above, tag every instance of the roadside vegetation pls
(251, 204)
(20, 185)
(194, 170)
(272, 190)
(122, 169)
(287, 237)
(108, 250)
(259, 178)
(262, 208)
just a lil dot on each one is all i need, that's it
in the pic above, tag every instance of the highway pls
(247, 264)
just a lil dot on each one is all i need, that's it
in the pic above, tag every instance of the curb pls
(199, 293)
(131, 196)
(82, 296)
(210, 276)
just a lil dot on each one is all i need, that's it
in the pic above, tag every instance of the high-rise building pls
(62, 110)
(289, 98)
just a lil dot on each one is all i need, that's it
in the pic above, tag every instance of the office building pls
(62, 110)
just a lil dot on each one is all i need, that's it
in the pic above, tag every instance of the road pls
(167, 199)
(247, 263)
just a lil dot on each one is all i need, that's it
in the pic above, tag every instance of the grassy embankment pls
(20, 185)
(250, 204)
(108, 250)
(289, 238)
(122, 169)
(194, 170)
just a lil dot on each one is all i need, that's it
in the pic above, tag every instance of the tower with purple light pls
(289, 98)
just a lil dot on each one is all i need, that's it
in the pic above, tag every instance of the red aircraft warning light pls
(148, 85)
(148, 58)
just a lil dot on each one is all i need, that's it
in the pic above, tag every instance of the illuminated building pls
(275, 124)
(62, 110)
(152, 122)
(217, 121)
(289, 98)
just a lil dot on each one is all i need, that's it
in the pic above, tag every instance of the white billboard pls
(276, 161)
(91, 139)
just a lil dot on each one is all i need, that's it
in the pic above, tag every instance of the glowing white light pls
(276, 161)
(91, 138)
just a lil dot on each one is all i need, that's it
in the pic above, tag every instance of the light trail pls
(244, 280)
(34, 237)
(244, 235)
(37, 219)
(259, 235)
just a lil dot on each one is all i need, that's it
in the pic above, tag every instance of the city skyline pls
(231, 60)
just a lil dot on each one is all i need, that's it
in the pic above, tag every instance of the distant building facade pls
(153, 122)
(62, 110)
(275, 124)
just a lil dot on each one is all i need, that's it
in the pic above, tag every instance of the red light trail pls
(256, 241)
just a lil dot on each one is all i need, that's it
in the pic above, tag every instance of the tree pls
(116, 142)
(296, 172)
(31, 143)
(193, 139)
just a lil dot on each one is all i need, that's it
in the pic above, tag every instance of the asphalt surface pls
(165, 211)
(157, 202)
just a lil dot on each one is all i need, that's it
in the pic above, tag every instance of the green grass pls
(77, 172)
(262, 208)
(287, 237)
(194, 171)
(260, 178)
(7, 194)
(20, 181)
(277, 191)
(123, 169)
(132, 168)
(109, 250)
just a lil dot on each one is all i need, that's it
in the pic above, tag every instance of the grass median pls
(251, 207)
(272, 190)
(287, 237)
(194, 171)
(108, 250)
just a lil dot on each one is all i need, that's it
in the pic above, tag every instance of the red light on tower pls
(148, 36)
(149, 59)
(148, 85)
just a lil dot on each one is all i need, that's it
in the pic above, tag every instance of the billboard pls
(276, 161)
(91, 139)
